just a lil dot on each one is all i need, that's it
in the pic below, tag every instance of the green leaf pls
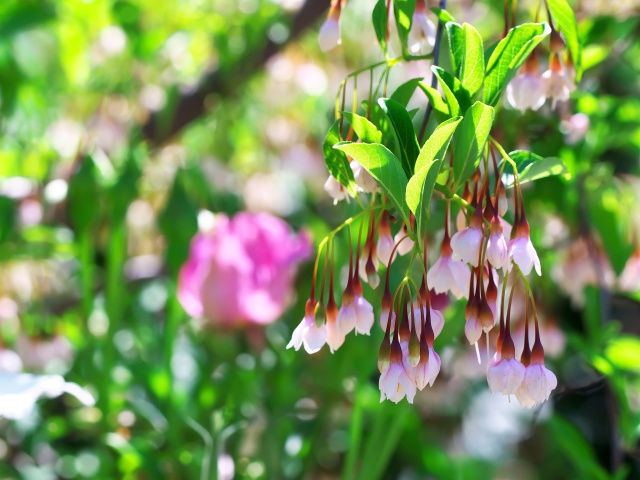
(380, 18)
(467, 56)
(403, 127)
(456, 46)
(451, 86)
(565, 23)
(471, 138)
(384, 167)
(437, 102)
(443, 15)
(533, 167)
(178, 222)
(420, 186)
(623, 352)
(365, 130)
(610, 219)
(8, 210)
(83, 203)
(337, 162)
(404, 92)
(403, 12)
(508, 55)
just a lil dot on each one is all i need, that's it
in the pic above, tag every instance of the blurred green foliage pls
(79, 83)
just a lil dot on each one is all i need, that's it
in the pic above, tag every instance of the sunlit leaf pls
(337, 162)
(365, 130)
(380, 18)
(467, 56)
(470, 139)
(508, 55)
(421, 184)
(385, 168)
(405, 134)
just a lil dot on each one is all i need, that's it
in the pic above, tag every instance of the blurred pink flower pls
(242, 272)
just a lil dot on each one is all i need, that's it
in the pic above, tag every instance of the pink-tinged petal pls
(315, 338)
(299, 333)
(194, 270)
(364, 314)
(505, 376)
(466, 245)
(473, 330)
(347, 318)
(384, 248)
(243, 271)
(497, 251)
(526, 91)
(388, 382)
(524, 255)
(335, 338)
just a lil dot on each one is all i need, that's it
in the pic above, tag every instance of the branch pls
(191, 105)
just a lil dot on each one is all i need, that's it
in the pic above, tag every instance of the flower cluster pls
(484, 254)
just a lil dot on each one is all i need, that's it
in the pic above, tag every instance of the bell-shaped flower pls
(473, 329)
(629, 280)
(386, 244)
(406, 245)
(505, 375)
(423, 30)
(448, 275)
(336, 190)
(537, 385)
(437, 319)
(428, 368)
(329, 35)
(365, 182)
(307, 333)
(394, 382)
(347, 317)
(497, 251)
(335, 337)
(558, 86)
(364, 315)
(466, 243)
(527, 91)
(522, 252)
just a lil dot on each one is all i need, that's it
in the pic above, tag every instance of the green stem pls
(355, 437)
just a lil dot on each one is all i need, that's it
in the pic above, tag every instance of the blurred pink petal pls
(243, 271)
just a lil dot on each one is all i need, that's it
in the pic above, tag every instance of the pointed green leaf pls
(385, 168)
(471, 138)
(566, 24)
(420, 186)
(437, 144)
(404, 92)
(380, 18)
(532, 167)
(472, 73)
(403, 13)
(452, 86)
(467, 56)
(337, 162)
(403, 127)
(443, 15)
(437, 102)
(365, 130)
(508, 55)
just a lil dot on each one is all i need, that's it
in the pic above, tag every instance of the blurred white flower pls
(20, 391)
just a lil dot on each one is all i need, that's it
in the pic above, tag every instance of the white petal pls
(19, 392)
(315, 338)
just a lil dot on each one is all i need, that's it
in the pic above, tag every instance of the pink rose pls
(243, 271)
